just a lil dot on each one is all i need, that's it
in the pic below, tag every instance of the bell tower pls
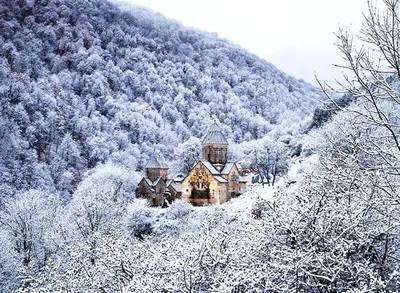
(215, 147)
(154, 169)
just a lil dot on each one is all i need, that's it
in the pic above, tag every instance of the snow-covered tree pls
(99, 204)
(30, 232)
(187, 154)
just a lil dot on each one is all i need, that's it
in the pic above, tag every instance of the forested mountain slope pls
(83, 82)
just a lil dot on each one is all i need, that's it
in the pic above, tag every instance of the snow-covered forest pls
(88, 91)
(83, 83)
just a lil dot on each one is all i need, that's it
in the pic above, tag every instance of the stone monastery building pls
(212, 180)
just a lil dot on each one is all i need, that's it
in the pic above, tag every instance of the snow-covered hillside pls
(83, 83)
(88, 91)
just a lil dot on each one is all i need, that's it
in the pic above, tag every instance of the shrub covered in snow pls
(139, 219)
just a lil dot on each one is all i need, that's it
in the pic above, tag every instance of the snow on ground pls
(297, 171)
(243, 204)
(239, 208)
(299, 167)
(183, 218)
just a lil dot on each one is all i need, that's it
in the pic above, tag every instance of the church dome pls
(153, 163)
(214, 136)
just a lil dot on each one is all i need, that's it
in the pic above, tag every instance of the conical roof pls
(153, 163)
(214, 136)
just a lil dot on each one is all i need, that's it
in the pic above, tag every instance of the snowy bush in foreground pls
(99, 201)
(176, 220)
(139, 219)
(179, 209)
(28, 224)
(259, 208)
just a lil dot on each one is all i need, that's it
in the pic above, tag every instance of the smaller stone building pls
(155, 185)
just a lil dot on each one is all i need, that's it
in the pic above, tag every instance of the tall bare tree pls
(372, 76)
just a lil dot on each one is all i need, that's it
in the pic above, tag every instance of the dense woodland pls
(84, 82)
(88, 91)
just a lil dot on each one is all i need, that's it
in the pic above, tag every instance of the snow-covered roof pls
(242, 179)
(220, 179)
(178, 177)
(152, 183)
(216, 174)
(163, 163)
(156, 181)
(148, 181)
(210, 167)
(177, 186)
(153, 163)
(214, 136)
(227, 168)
